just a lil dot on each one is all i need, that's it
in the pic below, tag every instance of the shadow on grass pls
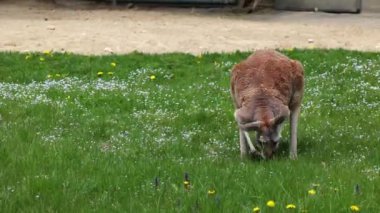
(304, 147)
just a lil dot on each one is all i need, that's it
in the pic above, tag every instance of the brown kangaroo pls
(266, 89)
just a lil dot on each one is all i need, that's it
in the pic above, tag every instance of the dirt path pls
(25, 27)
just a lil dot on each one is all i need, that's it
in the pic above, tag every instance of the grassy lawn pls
(119, 133)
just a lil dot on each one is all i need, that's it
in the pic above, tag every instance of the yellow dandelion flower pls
(47, 52)
(290, 206)
(152, 77)
(57, 75)
(312, 192)
(271, 203)
(110, 73)
(199, 58)
(49, 76)
(354, 208)
(42, 59)
(211, 192)
(100, 74)
(186, 184)
(113, 64)
(256, 209)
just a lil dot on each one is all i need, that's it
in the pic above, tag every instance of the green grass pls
(82, 143)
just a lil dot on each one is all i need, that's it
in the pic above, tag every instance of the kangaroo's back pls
(266, 70)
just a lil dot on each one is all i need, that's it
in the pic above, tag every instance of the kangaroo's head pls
(266, 122)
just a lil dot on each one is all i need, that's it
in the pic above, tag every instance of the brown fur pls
(267, 87)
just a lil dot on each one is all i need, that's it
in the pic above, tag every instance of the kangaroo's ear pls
(244, 120)
(282, 115)
(255, 125)
(241, 116)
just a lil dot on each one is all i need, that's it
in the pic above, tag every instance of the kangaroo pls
(266, 89)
